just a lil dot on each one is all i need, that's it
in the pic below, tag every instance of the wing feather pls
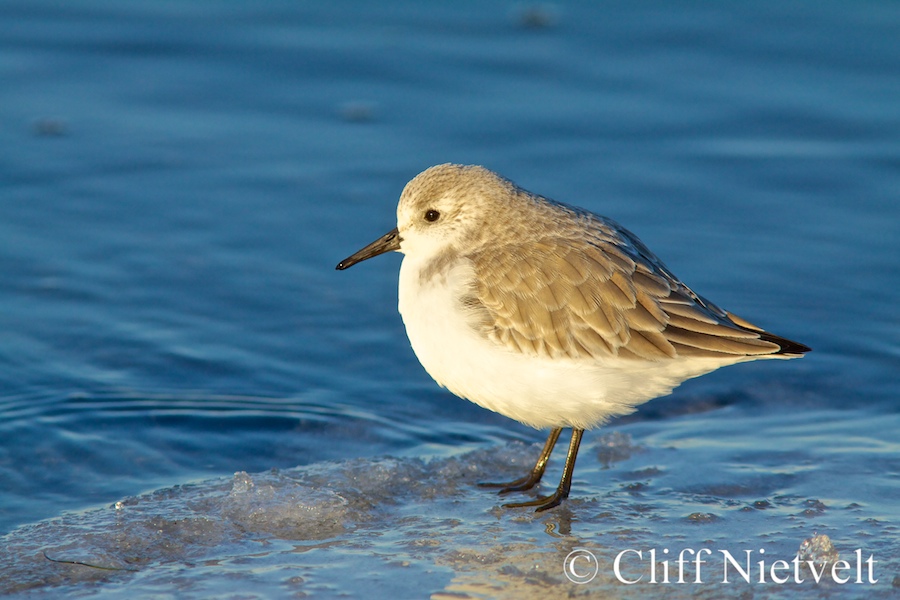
(600, 298)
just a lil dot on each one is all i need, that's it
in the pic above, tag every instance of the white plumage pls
(548, 314)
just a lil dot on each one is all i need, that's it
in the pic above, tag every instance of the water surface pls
(193, 402)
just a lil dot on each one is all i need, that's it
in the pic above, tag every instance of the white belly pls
(540, 392)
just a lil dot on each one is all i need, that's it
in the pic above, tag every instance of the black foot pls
(565, 484)
(541, 504)
(532, 479)
(519, 485)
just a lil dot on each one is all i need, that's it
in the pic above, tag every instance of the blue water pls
(194, 400)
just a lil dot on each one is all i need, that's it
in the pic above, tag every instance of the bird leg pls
(532, 479)
(565, 484)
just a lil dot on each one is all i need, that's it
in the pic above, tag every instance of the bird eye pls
(432, 215)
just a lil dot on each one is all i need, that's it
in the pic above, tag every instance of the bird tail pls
(786, 347)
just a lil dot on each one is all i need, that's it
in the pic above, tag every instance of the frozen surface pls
(193, 403)
(351, 526)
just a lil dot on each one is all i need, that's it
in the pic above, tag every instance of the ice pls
(819, 550)
(400, 524)
(279, 505)
(615, 447)
(198, 521)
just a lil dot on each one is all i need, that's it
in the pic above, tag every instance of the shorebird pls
(546, 313)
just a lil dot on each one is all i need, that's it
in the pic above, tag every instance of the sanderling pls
(546, 313)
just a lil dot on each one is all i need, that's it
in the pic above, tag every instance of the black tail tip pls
(787, 346)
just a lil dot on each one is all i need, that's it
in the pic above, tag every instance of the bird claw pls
(542, 504)
(519, 485)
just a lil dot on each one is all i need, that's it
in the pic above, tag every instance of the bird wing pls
(608, 296)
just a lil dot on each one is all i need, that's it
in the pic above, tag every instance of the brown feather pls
(600, 299)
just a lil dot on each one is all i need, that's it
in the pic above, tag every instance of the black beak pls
(386, 243)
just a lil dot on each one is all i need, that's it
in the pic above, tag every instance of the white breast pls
(536, 391)
(540, 392)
